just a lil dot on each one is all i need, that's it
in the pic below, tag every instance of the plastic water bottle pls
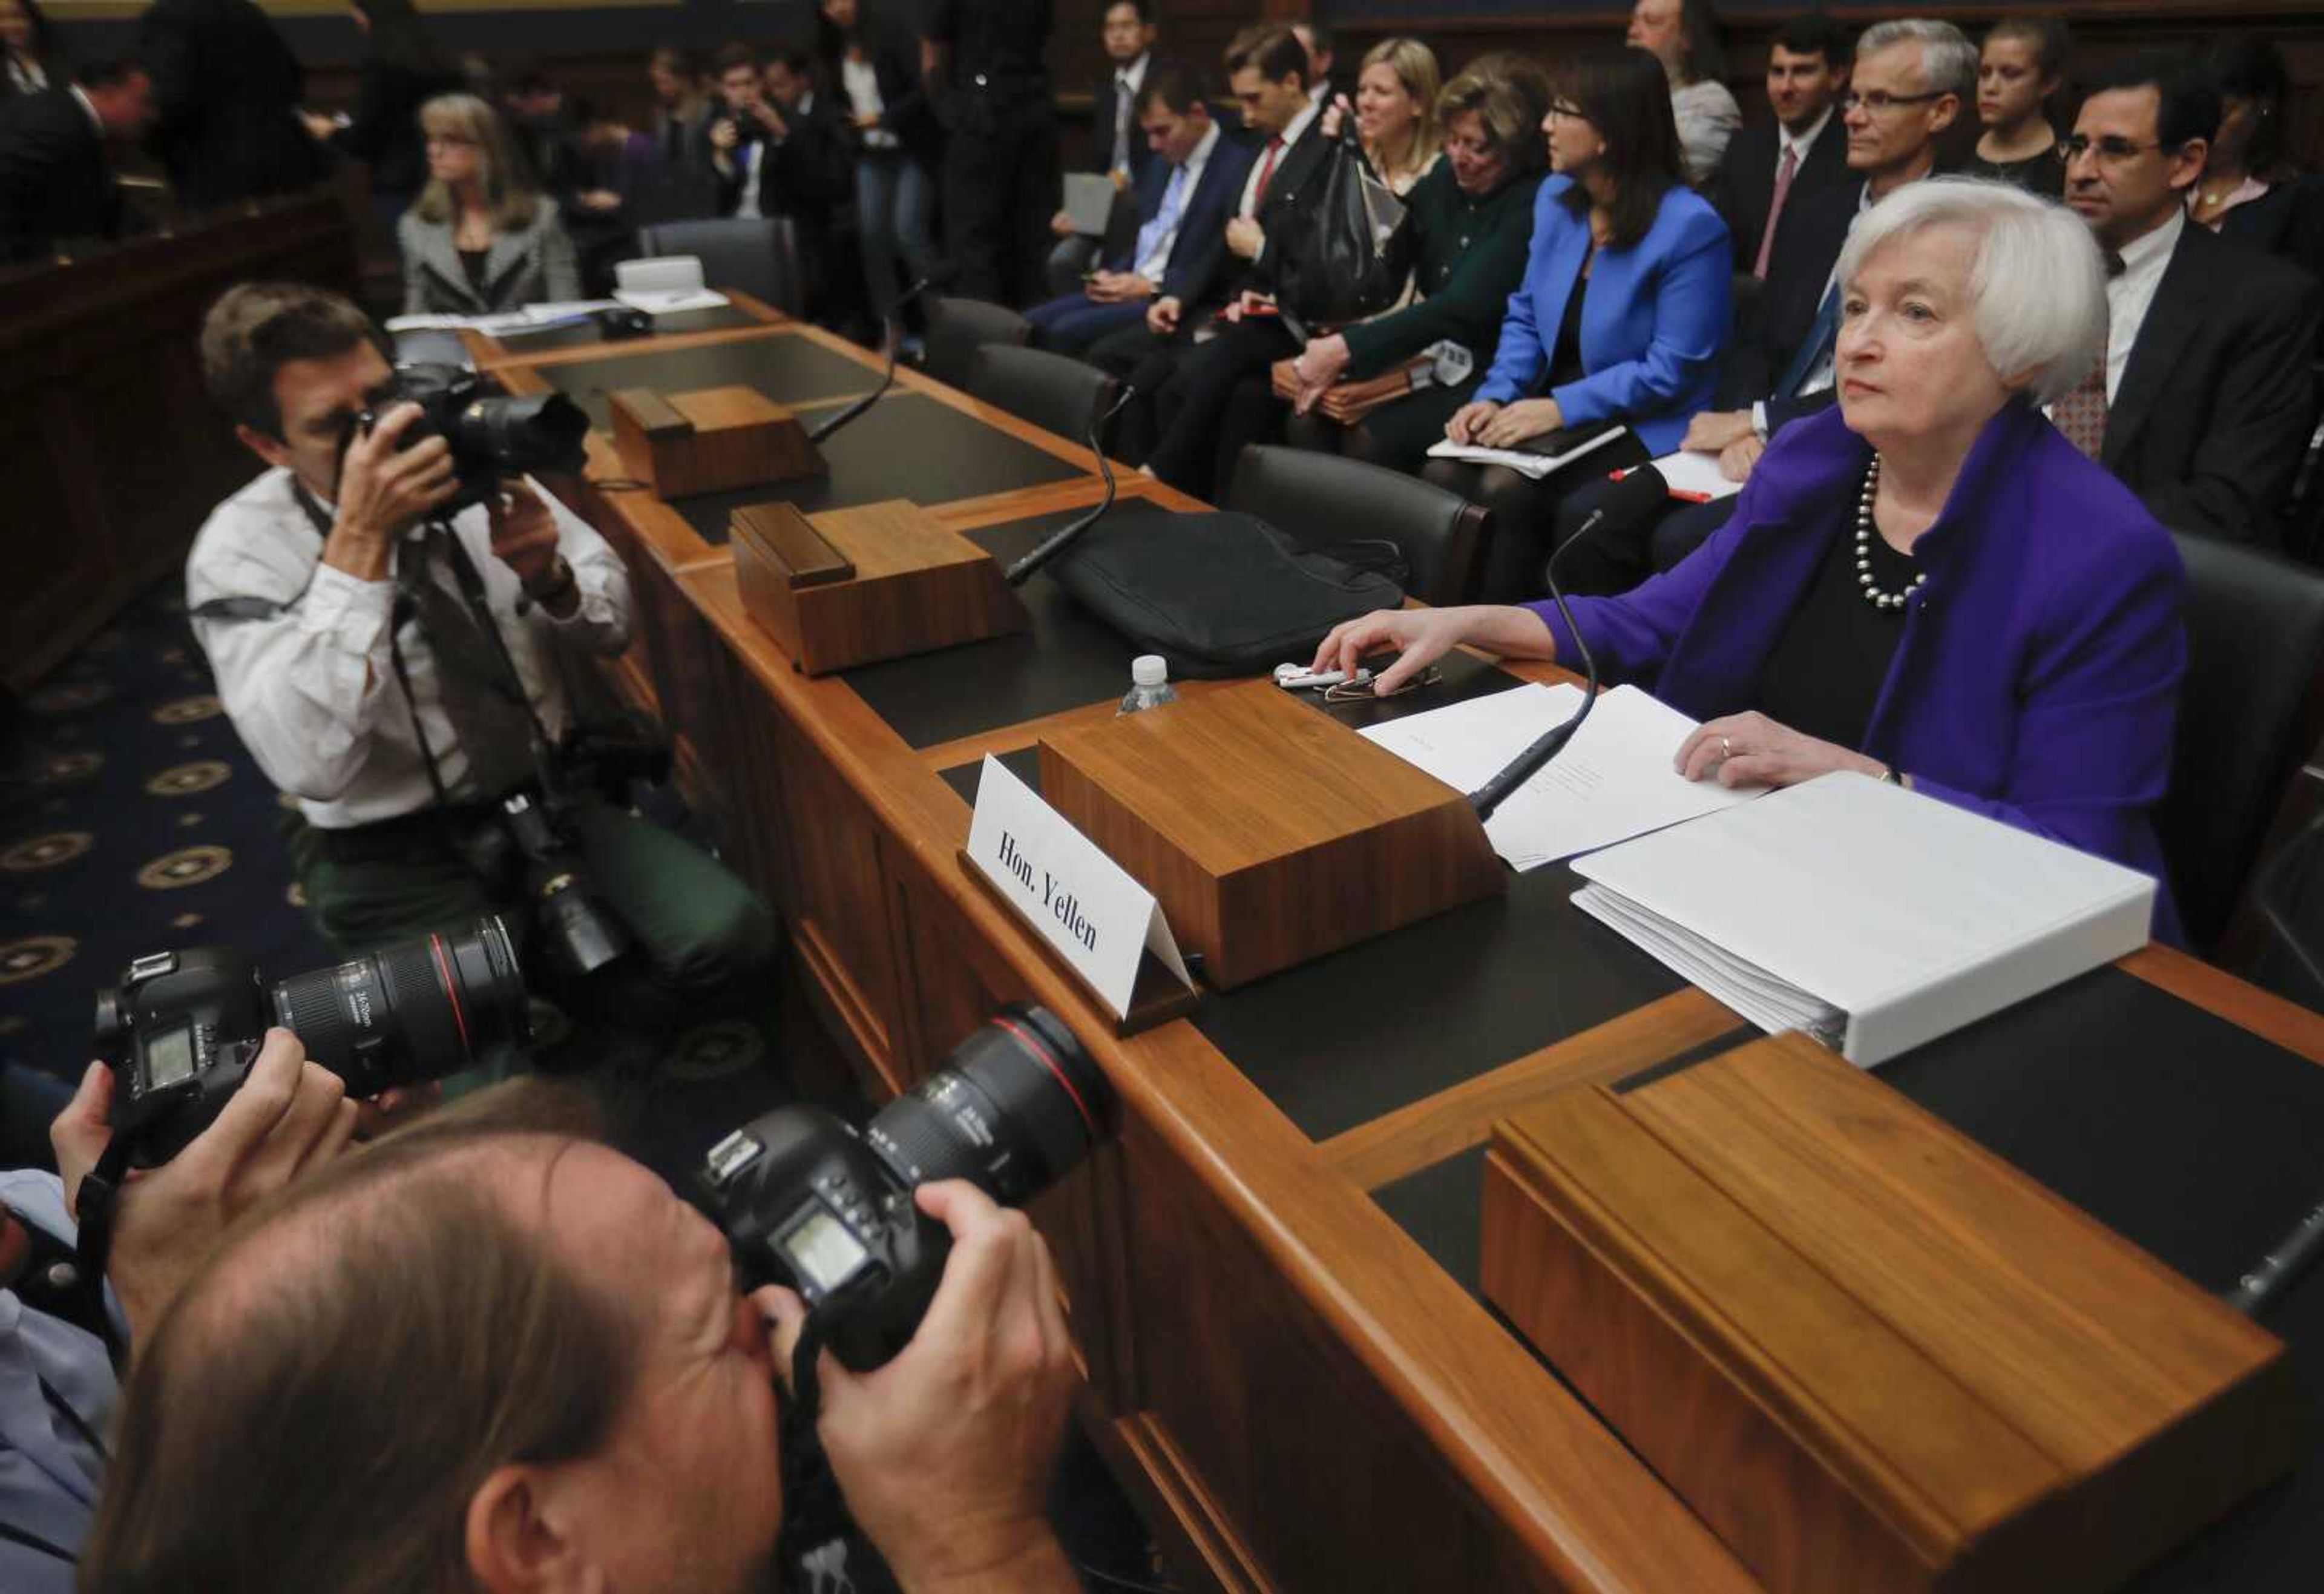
(1150, 685)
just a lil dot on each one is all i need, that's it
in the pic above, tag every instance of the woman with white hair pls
(1927, 583)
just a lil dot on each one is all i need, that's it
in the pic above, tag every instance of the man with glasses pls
(2205, 395)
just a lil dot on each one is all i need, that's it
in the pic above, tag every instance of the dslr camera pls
(494, 434)
(808, 1202)
(182, 1028)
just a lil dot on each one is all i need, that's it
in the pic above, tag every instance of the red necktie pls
(1784, 175)
(1266, 173)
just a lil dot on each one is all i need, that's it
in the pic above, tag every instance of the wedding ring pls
(1726, 749)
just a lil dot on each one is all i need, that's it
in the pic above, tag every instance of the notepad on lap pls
(1537, 457)
(1089, 202)
(1871, 915)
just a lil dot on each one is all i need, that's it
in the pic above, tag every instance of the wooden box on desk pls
(1868, 1353)
(717, 440)
(851, 586)
(1270, 833)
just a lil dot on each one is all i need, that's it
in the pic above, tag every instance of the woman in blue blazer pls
(1622, 315)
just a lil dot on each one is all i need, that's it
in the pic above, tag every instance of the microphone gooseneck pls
(1018, 574)
(892, 323)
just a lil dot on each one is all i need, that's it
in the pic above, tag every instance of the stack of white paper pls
(1696, 477)
(1874, 914)
(1532, 466)
(1614, 780)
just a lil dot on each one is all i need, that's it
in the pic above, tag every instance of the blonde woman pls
(479, 238)
(1395, 111)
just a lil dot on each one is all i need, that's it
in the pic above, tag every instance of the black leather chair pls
(760, 256)
(1055, 393)
(1319, 499)
(958, 327)
(2248, 713)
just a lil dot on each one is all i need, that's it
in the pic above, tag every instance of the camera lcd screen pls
(170, 1058)
(823, 1252)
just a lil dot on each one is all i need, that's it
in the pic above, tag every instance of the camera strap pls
(95, 1205)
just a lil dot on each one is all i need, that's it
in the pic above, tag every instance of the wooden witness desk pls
(1272, 1272)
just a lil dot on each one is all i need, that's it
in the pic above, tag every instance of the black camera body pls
(494, 434)
(806, 1200)
(182, 1028)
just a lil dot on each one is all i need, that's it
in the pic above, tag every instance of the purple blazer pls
(2038, 674)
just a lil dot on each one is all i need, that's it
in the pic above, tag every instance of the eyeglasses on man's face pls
(1880, 102)
(2110, 151)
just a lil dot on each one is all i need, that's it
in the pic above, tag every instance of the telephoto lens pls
(419, 1011)
(806, 1200)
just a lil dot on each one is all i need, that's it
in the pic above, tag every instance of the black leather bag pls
(1353, 254)
(1217, 594)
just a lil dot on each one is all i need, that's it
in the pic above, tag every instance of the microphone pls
(937, 277)
(1018, 574)
(1635, 494)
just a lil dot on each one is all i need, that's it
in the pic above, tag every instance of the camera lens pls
(1017, 1105)
(419, 1011)
(540, 431)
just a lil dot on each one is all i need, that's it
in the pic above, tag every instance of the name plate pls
(1097, 919)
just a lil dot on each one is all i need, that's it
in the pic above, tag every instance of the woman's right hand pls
(1422, 636)
(1469, 420)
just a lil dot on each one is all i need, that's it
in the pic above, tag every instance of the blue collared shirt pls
(49, 1470)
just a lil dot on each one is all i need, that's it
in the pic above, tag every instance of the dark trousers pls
(1217, 399)
(1137, 356)
(1624, 550)
(1000, 191)
(1524, 514)
(1396, 437)
(1072, 322)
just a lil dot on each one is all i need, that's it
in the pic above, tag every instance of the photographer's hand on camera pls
(524, 539)
(290, 1116)
(944, 1454)
(384, 489)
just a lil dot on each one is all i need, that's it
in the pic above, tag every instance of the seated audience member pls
(480, 237)
(874, 68)
(600, 1399)
(1798, 152)
(1471, 221)
(679, 120)
(56, 178)
(1683, 35)
(226, 93)
(1267, 70)
(1622, 315)
(2205, 398)
(2251, 191)
(2041, 691)
(58, 1395)
(329, 603)
(1183, 201)
(1116, 148)
(2019, 72)
(1218, 397)
(30, 59)
(1909, 83)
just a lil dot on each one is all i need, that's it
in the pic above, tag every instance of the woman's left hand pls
(1752, 750)
(1519, 420)
(1319, 366)
(1246, 237)
(1336, 116)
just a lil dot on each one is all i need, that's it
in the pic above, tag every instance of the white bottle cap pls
(1149, 670)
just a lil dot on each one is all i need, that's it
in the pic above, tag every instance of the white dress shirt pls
(1290, 136)
(861, 79)
(2144, 259)
(1800, 144)
(312, 691)
(1157, 258)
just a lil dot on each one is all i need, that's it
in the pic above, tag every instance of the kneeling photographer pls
(383, 610)
(491, 1353)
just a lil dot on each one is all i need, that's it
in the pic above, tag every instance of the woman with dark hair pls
(875, 70)
(2019, 72)
(1623, 314)
(30, 61)
(402, 71)
(1683, 35)
(2250, 191)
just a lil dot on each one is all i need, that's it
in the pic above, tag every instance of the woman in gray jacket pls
(480, 238)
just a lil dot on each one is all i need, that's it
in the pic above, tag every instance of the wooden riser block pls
(853, 586)
(1869, 1353)
(1270, 833)
(720, 440)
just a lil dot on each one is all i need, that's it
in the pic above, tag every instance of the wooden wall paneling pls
(61, 563)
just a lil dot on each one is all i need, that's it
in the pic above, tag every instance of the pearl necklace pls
(1873, 595)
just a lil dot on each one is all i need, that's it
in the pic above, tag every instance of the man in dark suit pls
(2207, 395)
(1799, 152)
(1116, 147)
(227, 89)
(1179, 216)
(56, 174)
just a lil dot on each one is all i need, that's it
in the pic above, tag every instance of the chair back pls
(1055, 393)
(958, 327)
(2248, 713)
(1318, 498)
(758, 255)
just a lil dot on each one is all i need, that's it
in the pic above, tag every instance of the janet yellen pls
(1927, 583)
